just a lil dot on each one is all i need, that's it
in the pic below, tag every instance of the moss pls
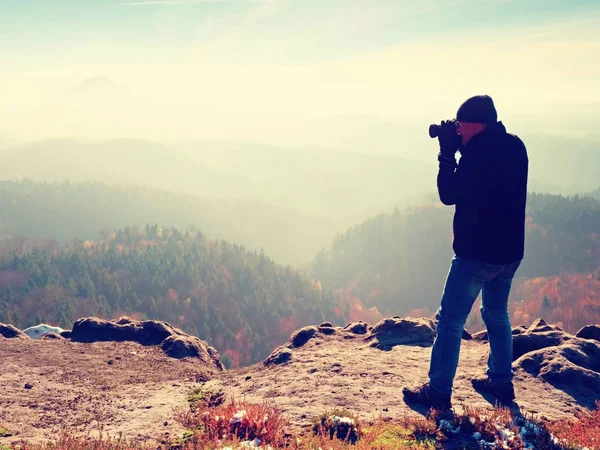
(325, 425)
(196, 396)
(4, 432)
(396, 436)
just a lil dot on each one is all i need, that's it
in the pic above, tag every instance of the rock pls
(539, 335)
(10, 332)
(51, 337)
(327, 330)
(402, 331)
(301, 336)
(520, 329)
(573, 367)
(480, 336)
(356, 328)
(66, 334)
(150, 332)
(483, 335)
(589, 332)
(190, 346)
(39, 330)
(280, 355)
(124, 320)
(174, 342)
(28, 386)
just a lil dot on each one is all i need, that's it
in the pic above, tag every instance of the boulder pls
(573, 367)
(10, 332)
(539, 335)
(401, 331)
(589, 332)
(190, 347)
(51, 337)
(483, 334)
(150, 332)
(38, 331)
(301, 336)
(326, 328)
(280, 355)
(356, 328)
(174, 342)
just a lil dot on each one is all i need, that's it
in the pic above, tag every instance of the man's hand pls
(449, 139)
(449, 144)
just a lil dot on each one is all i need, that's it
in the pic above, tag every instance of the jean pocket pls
(482, 272)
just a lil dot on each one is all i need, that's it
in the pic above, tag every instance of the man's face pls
(467, 130)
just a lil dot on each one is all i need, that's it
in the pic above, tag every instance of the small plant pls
(580, 433)
(195, 396)
(200, 396)
(259, 423)
(4, 432)
(397, 436)
(339, 424)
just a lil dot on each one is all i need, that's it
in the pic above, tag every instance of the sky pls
(331, 73)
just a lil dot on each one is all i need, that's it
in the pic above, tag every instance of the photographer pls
(488, 187)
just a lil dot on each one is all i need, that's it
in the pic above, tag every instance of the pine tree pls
(546, 303)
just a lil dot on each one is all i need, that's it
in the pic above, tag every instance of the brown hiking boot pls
(504, 392)
(425, 395)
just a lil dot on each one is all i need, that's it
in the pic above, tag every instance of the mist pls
(316, 111)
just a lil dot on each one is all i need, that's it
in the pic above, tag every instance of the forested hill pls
(241, 302)
(398, 262)
(65, 210)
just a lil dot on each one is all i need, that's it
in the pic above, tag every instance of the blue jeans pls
(466, 279)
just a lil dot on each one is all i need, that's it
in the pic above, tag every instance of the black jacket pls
(489, 189)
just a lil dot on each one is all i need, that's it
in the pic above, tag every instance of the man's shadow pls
(461, 440)
(447, 414)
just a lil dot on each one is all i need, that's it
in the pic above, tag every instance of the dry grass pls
(583, 432)
(240, 425)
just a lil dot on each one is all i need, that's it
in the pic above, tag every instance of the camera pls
(435, 130)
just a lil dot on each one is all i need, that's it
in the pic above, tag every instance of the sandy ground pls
(85, 388)
(333, 371)
(125, 387)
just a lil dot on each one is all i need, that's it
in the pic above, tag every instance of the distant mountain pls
(97, 84)
(123, 161)
(336, 184)
(240, 301)
(331, 184)
(63, 211)
(563, 165)
(8, 144)
(97, 108)
(398, 261)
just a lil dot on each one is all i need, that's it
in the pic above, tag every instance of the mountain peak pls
(97, 83)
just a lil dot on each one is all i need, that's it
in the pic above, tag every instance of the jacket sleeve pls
(449, 179)
(463, 181)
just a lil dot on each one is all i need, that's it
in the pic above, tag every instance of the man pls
(488, 187)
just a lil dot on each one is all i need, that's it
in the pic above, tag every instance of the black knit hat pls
(479, 109)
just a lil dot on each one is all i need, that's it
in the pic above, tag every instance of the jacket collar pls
(490, 130)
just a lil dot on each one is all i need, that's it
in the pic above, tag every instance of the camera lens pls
(434, 130)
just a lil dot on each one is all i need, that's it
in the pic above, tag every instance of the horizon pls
(344, 75)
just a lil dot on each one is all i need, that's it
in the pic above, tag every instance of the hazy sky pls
(304, 72)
